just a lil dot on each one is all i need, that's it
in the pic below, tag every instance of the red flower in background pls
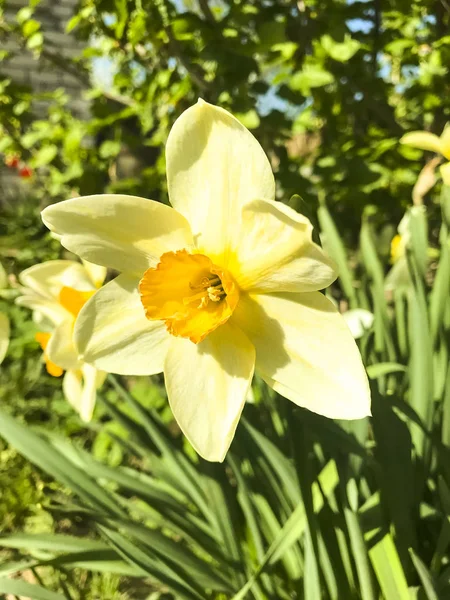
(12, 161)
(25, 172)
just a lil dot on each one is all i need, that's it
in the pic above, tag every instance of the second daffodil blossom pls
(223, 283)
(430, 141)
(56, 291)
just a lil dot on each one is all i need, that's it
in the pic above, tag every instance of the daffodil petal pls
(275, 251)
(61, 349)
(4, 335)
(72, 386)
(97, 273)
(445, 142)
(445, 173)
(214, 167)
(305, 350)
(113, 334)
(207, 384)
(48, 278)
(43, 307)
(423, 140)
(126, 233)
(80, 389)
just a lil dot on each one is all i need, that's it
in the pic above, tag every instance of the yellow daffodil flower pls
(4, 321)
(398, 276)
(56, 291)
(224, 282)
(424, 140)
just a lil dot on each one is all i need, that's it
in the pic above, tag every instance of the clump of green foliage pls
(303, 507)
(327, 87)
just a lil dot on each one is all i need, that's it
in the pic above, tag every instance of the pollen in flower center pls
(209, 289)
(190, 293)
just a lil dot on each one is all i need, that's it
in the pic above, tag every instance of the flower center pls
(190, 293)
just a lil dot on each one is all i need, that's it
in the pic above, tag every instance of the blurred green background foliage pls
(327, 87)
(303, 507)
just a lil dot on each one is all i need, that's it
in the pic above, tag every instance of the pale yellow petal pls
(207, 384)
(214, 167)
(4, 335)
(80, 389)
(48, 278)
(50, 309)
(126, 233)
(61, 348)
(275, 251)
(305, 350)
(445, 173)
(423, 140)
(97, 273)
(445, 142)
(113, 334)
(73, 387)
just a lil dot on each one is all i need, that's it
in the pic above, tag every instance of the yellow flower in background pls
(4, 335)
(424, 140)
(223, 283)
(398, 276)
(4, 321)
(56, 291)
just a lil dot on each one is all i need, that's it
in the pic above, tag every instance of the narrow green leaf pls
(400, 322)
(360, 556)
(52, 542)
(418, 226)
(380, 369)
(244, 499)
(27, 590)
(387, 565)
(311, 577)
(421, 360)
(425, 576)
(271, 528)
(396, 477)
(440, 294)
(335, 248)
(278, 461)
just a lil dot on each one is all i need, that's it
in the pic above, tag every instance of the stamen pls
(204, 283)
(211, 289)
(190, 299)
(216, 294)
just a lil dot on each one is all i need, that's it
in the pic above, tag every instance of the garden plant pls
(225, 301)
